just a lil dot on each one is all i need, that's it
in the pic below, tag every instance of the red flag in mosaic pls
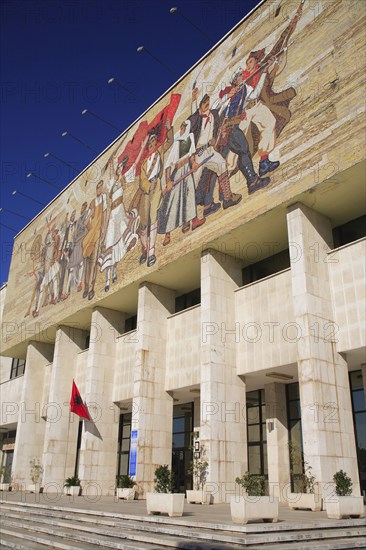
(76, 403)
(158, 124)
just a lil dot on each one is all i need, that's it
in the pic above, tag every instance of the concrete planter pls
(247, 508)
(305, 501)
(199, 496)
(165, 503)
(345, 506)
(4, 486)
(126, 494)
(73, 490)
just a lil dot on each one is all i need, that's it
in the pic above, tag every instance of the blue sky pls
(56, 59)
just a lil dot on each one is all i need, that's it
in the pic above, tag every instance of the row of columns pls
(323, 379)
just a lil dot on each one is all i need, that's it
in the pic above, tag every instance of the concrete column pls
(197, 412)
(31, 426)
(277, 439)
(326, 410)
(152, 405)
(98, 451)
(223, 400)
(61, 426)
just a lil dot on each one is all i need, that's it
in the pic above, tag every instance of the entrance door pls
(182, 446)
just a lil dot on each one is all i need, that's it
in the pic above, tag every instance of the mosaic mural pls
(170, 174)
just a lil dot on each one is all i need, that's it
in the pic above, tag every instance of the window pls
(17, 368)
(359, 420)
(266, 267)
(124, 439)
(7, 462)
(295, 437)
(188, 300)
(9, 437)
(78, 445)
(257, 433)
(87, 341)
(131, 323)
(349, 232)
(7, 443)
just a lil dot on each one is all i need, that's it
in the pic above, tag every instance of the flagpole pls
(67, 444)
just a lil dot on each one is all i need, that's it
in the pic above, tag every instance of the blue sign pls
(133, 453)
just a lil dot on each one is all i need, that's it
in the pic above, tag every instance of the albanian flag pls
(76, 403)
(133, 147)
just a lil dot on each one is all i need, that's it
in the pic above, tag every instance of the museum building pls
(203, 280)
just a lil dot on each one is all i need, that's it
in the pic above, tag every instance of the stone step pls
(32, 542)
(192, 532)
(29, 540)
(302, 522)
(339, 544)
(13, 543)
(49, 518)
(18, 544)
(40, 518)
(108, 538)
(9, 539)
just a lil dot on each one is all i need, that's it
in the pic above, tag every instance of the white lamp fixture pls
(140, 49)
(279, 376)
(85, 111)
(46, 155)
(67, 133)
(126, 89)
(2, 209)
(30, 174)
(16, 192)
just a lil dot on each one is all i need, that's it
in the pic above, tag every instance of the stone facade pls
(247, 341)
(146, 380)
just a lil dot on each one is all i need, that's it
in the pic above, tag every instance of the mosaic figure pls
(178, 208)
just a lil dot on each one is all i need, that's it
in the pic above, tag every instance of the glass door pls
(182, 446)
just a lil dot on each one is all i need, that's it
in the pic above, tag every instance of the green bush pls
(306, 480)
(72, 481)
(199, 467)
(164, 480)
(255, 486)
(125, 482)
(302, 477)
(343, 483)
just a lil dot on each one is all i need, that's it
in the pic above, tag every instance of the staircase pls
(35, 526)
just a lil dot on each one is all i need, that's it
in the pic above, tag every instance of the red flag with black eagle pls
(133, 147)
(76, 403)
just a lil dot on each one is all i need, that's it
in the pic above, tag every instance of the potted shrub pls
(344, 504)
(199, 470)
(163, 500)
(306, 495)
(35, 474)
(72, 486)
(125, 487)
(254, 504)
